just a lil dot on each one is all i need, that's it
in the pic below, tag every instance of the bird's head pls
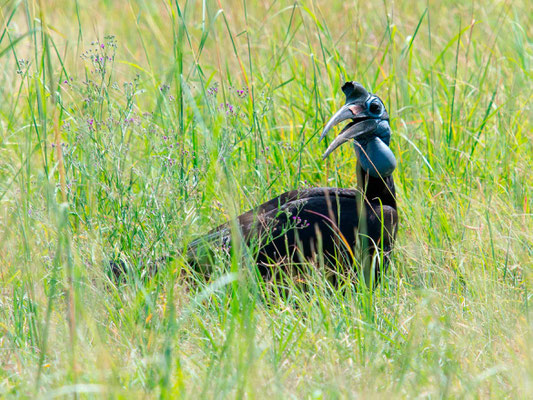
(369, 128)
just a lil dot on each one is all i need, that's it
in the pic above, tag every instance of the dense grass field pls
(129, 128)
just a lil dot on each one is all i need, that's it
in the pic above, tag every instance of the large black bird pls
(350, 226)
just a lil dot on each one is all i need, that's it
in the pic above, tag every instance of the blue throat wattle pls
(373, 152)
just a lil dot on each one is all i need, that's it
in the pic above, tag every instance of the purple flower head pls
(170, 161)
(102, 46)
(213, 90)
(228, 108)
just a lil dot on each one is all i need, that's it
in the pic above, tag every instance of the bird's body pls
(334, 224)
(300, 225)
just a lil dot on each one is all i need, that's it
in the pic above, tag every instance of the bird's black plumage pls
(334, 222)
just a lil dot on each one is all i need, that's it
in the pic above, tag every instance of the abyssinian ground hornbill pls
(340, 226)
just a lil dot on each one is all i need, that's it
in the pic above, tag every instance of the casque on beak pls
(369, 127)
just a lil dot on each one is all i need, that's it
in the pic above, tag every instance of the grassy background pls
(128, 128)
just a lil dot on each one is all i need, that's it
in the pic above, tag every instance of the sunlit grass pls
(130, 128)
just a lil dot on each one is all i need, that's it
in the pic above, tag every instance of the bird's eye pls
(375, 107)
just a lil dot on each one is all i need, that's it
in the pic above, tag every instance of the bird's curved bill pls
(346, 112)
(352, 131)
(374, 154)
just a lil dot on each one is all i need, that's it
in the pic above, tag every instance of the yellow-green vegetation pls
(129, 128)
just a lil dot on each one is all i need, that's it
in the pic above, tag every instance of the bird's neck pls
(376, 189)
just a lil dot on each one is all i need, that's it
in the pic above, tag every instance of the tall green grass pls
(130, 128)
